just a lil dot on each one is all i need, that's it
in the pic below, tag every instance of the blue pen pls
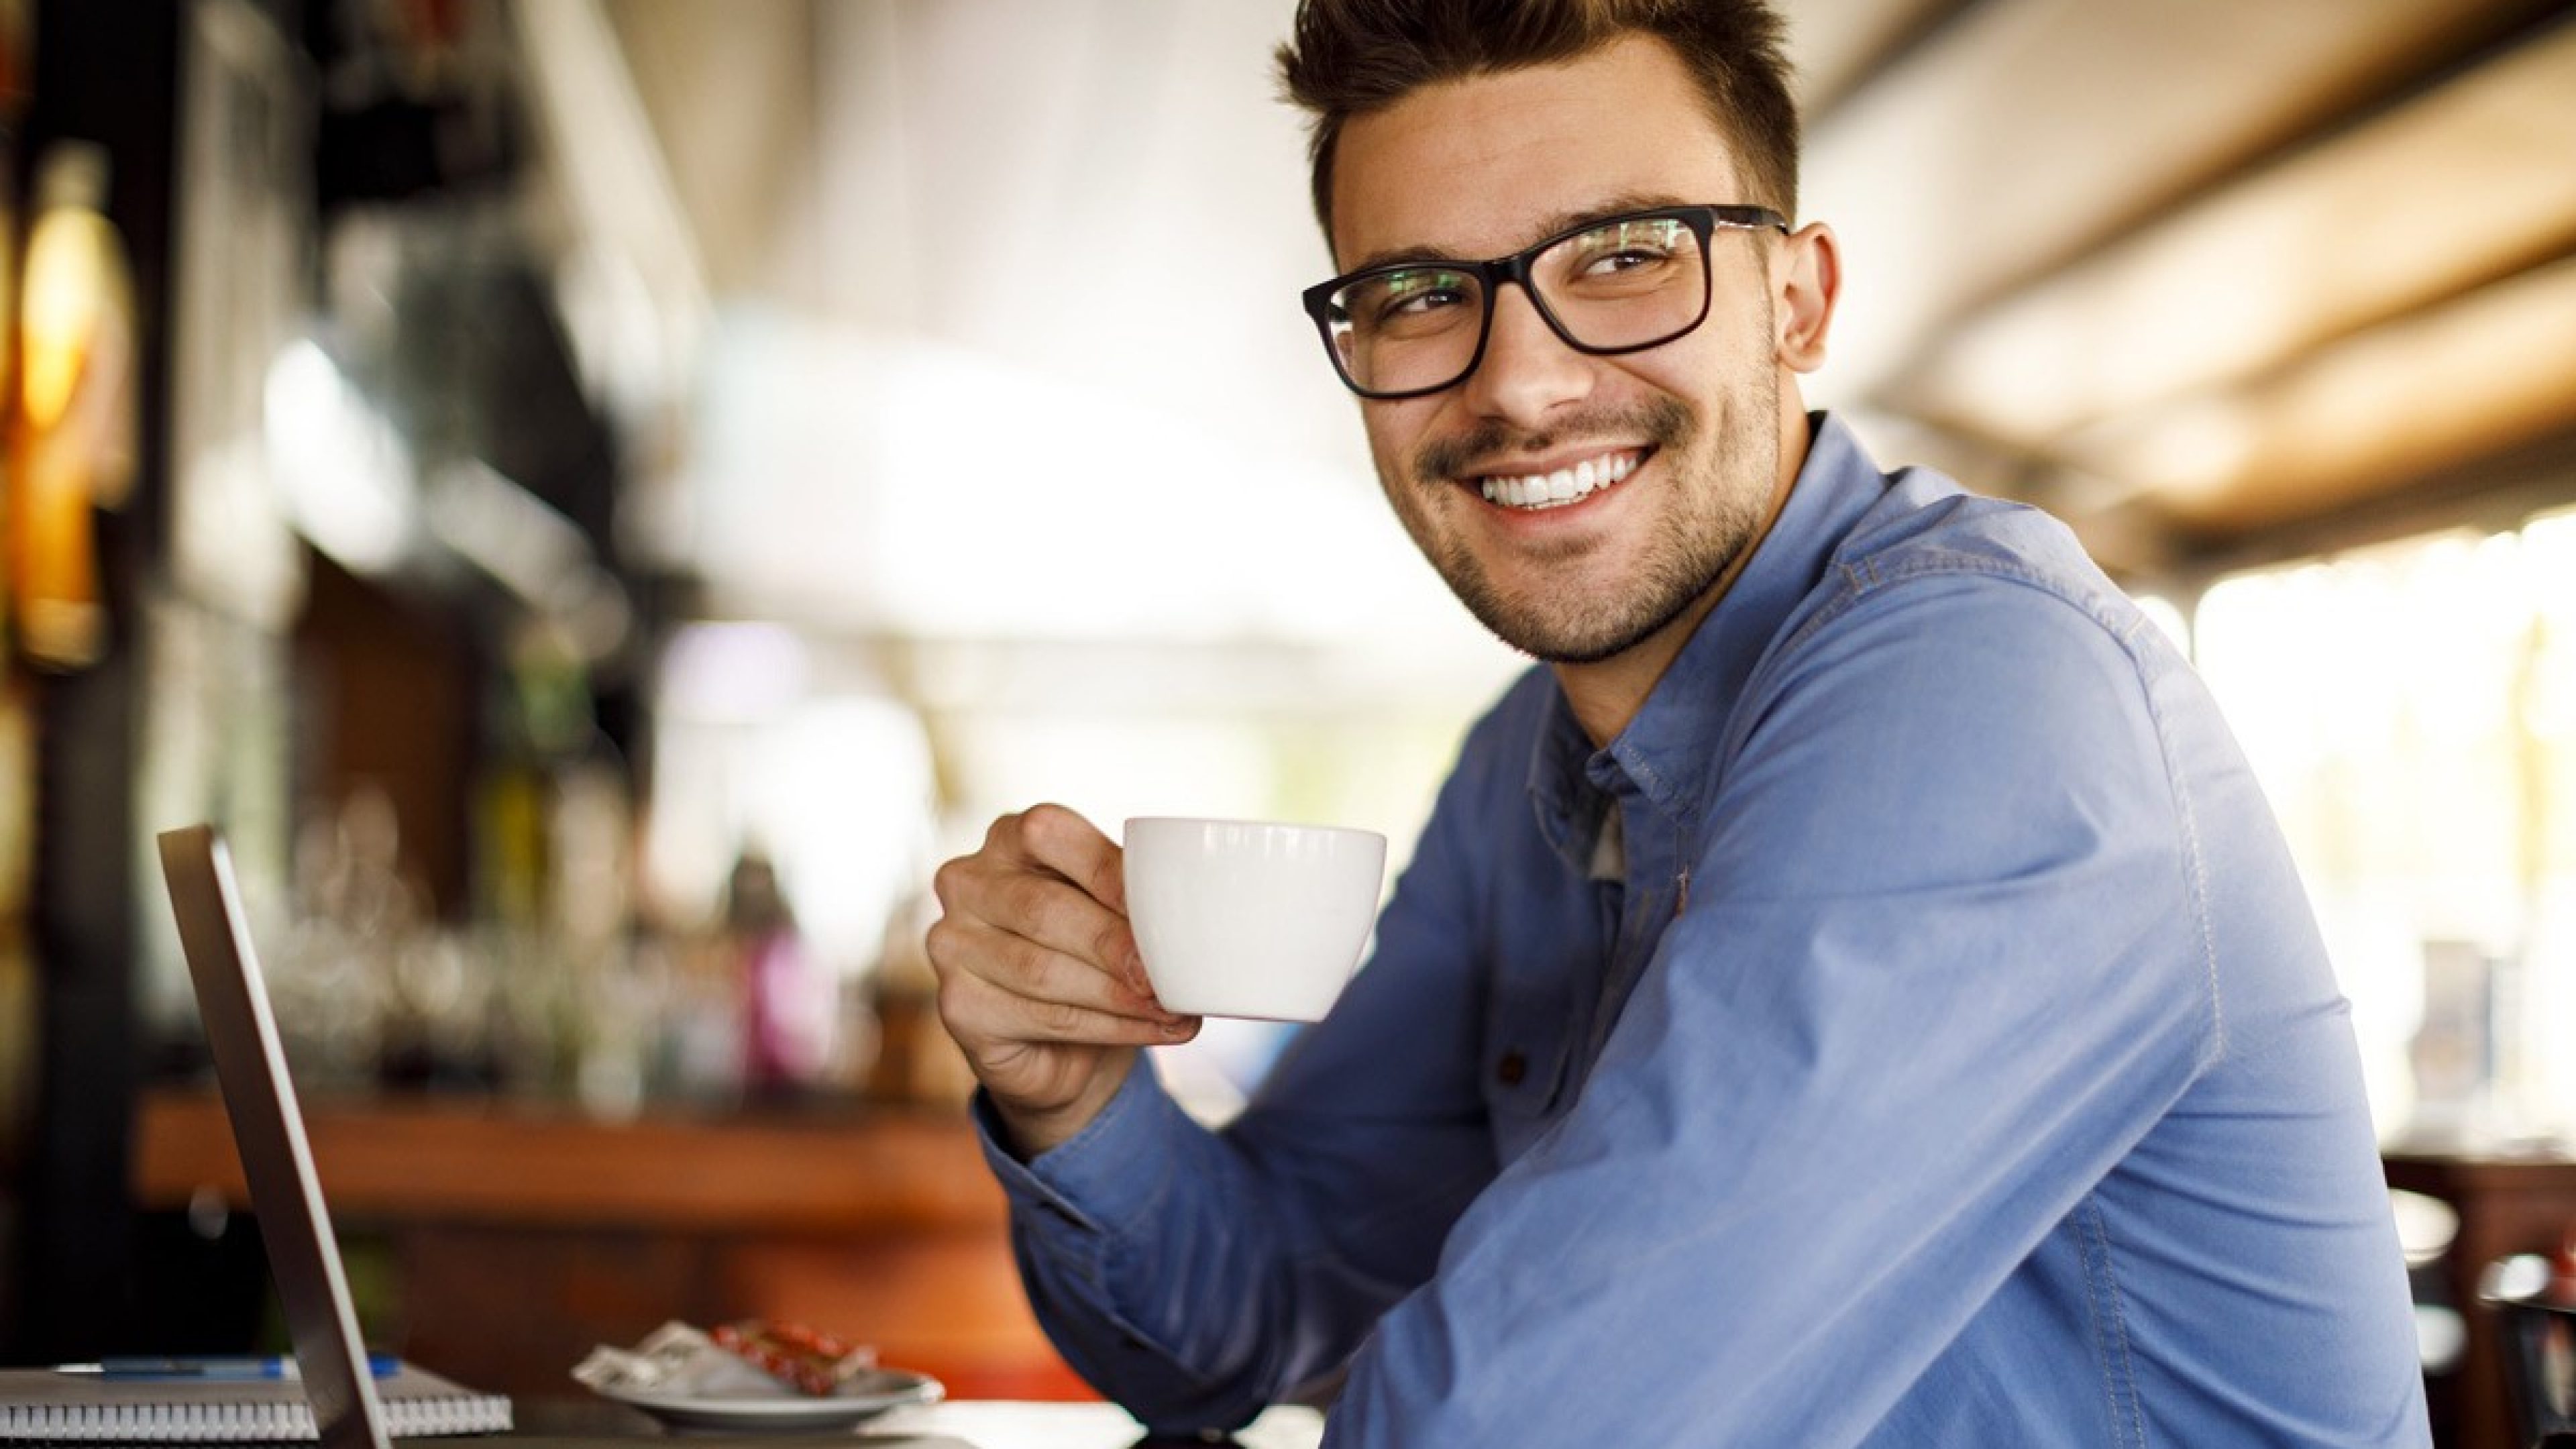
(381, 1365)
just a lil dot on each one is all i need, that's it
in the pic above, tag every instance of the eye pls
(1420, 294)
(1410, 297)
(1628, 246)
(1621, 261)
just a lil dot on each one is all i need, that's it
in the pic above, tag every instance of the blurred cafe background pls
(598, 497)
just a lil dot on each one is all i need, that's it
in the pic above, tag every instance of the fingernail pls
(1181, 1028)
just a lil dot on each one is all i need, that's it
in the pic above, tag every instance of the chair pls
(2537, 1338)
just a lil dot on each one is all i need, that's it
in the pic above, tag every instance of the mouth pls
(1558, 487)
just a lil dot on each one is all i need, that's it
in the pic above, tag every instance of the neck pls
(1606, 695)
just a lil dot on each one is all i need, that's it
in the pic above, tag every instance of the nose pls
(1527, 371)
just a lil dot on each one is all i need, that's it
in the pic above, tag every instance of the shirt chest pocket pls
(1529, 1035)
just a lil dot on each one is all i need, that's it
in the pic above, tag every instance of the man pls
(1853, 992)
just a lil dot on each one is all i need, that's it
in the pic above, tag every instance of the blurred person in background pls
(787, 997)
(1851, 990)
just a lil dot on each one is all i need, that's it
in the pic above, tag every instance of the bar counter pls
(516, 1236)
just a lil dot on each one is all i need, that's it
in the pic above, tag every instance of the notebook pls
(340, 1402)
(75, 1408)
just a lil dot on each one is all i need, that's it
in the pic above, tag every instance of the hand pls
(1039, 980)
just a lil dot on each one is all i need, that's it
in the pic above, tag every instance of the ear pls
(1807, 278)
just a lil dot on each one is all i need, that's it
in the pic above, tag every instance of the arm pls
(1938, 972)
(1196, 1277)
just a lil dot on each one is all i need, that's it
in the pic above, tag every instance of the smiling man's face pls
(1674, 453)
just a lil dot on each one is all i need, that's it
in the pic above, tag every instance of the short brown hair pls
(1346, 58)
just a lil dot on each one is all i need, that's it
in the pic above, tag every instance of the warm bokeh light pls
(68, 259)
(2407, 709)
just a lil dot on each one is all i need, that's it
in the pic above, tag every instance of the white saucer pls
(864, 1396)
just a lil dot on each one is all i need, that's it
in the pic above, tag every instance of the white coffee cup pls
(1251, 918)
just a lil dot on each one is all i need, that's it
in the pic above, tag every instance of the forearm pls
(1195, 1277)
(1147, 1257)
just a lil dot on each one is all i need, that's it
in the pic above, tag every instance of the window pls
(2411, 710)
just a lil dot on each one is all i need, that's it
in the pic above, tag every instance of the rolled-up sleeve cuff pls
(1107, 1174)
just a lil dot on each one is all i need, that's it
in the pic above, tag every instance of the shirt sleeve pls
(1196, 1277)
(1937, 971)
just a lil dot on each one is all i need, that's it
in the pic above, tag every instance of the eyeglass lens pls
(1625, 284)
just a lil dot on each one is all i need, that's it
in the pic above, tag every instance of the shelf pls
(430, 1160)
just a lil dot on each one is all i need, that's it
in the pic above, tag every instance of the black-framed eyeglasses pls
(1621, 284)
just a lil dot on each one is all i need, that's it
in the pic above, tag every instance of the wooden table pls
(1073, 1426)
(2507, 1205)
(519, 1236)
(958, 1424)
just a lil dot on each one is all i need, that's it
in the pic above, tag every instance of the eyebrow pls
(1556, 224)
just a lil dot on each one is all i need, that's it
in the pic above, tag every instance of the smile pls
(1561, 487)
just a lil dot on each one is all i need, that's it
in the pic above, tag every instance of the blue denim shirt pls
(1910, 1031)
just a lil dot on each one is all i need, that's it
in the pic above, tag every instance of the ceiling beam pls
(2027, 132)
(2366, 417)
(2465, 185)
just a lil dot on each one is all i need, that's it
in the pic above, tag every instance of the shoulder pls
(1927, 530)
(1952, 592)
(1963, 681)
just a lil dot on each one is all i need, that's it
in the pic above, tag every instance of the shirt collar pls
(1669, 748)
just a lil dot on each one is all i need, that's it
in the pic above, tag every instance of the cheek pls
(1395, 434)
(1705, 369)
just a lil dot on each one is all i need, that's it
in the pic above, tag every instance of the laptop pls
(285, 1192)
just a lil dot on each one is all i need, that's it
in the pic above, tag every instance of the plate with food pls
(751, 1377)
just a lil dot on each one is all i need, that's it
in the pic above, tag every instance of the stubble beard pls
(1719, 500)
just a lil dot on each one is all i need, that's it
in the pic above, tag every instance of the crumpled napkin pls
(679, 1361)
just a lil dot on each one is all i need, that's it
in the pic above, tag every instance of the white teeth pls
(1565, 485)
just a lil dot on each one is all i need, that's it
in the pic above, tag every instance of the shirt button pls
(1512, 1069)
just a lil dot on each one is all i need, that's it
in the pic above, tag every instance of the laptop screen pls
(268, 1129)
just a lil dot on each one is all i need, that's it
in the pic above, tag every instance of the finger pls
(981, 1012)
(1061, 917)
(1074, 848)
(1032, 970)
(1036, 904)
(1043, 874)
